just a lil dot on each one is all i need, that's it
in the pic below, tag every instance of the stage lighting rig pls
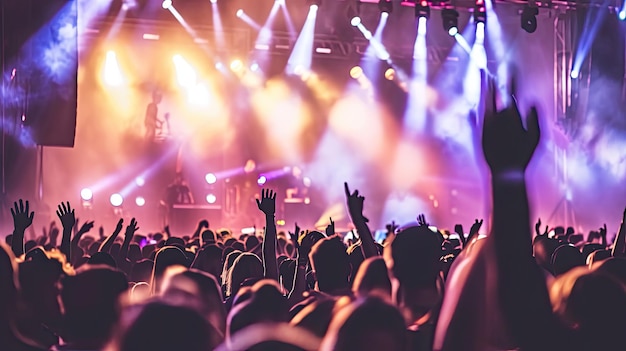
(480, 12)
(529, 18)
(422, 9)
(450, 20)
(385, 6)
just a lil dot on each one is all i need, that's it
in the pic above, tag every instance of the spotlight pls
(356, 72)
(167, 4)
(262, 180)
(385, 6)
(140, 181)
(306, 181)
(390, 74)
(422, 9)
(213, 1)
(236, 65)
(450, 20)
(529, 18)
(210, 178)
(250, 166)
(355, 21)
(480, 14)
(622, 14)
(211, 198)
(239, 13)
(116, 200)
(574, 74)
(86, 194)
(314, 4)
(140, 201)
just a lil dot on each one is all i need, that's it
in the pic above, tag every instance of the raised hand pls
(22, 216)
(507, 146)
(355, 203)
(603, 234)
(391, 228)
(203, 224)
(85, 228)
(330, 228)
(66, 215)
(461, 233)
(538, 228)
(474, 229)
(421, 221)
(267, 203)
(131, 229)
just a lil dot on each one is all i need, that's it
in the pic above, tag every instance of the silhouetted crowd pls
(421, 289)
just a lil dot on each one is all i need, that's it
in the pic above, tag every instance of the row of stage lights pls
(117, 200)
(528, 18)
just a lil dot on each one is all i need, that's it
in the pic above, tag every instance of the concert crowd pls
(515, 288)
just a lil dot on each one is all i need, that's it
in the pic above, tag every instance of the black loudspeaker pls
(43, 61)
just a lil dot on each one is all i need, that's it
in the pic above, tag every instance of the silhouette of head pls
(89, 301)
(566, 257)
(166, 257)
(367, 324)
(316, 317)
(372, 279)
(199, 291)
(594, 304)
(102, 258)
(245, 266)
(266, 304)
(162, 327)
(414, 256)
(209, 259)
(331, 265)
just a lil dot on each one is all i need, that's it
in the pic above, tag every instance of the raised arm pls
(267, 204)
(299, 278)
(355, 209)
(108, 243)
(619, 246)
(68, 220)
(85, 228)
(524, 302)
(22, 219)
(131, 229)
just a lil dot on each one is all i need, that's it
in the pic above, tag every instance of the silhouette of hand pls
(507, 146)
(119, 226)
(267, 203)
(355, 203)
(85, 228)
(131, 229)
(330, 228)
(54, 234)
(391, 228)
(459, 230)
(603, 231)
(22, 216)
(475, 227)
(203, 224)
(538, 228)
(66, 215)
(421, 221)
